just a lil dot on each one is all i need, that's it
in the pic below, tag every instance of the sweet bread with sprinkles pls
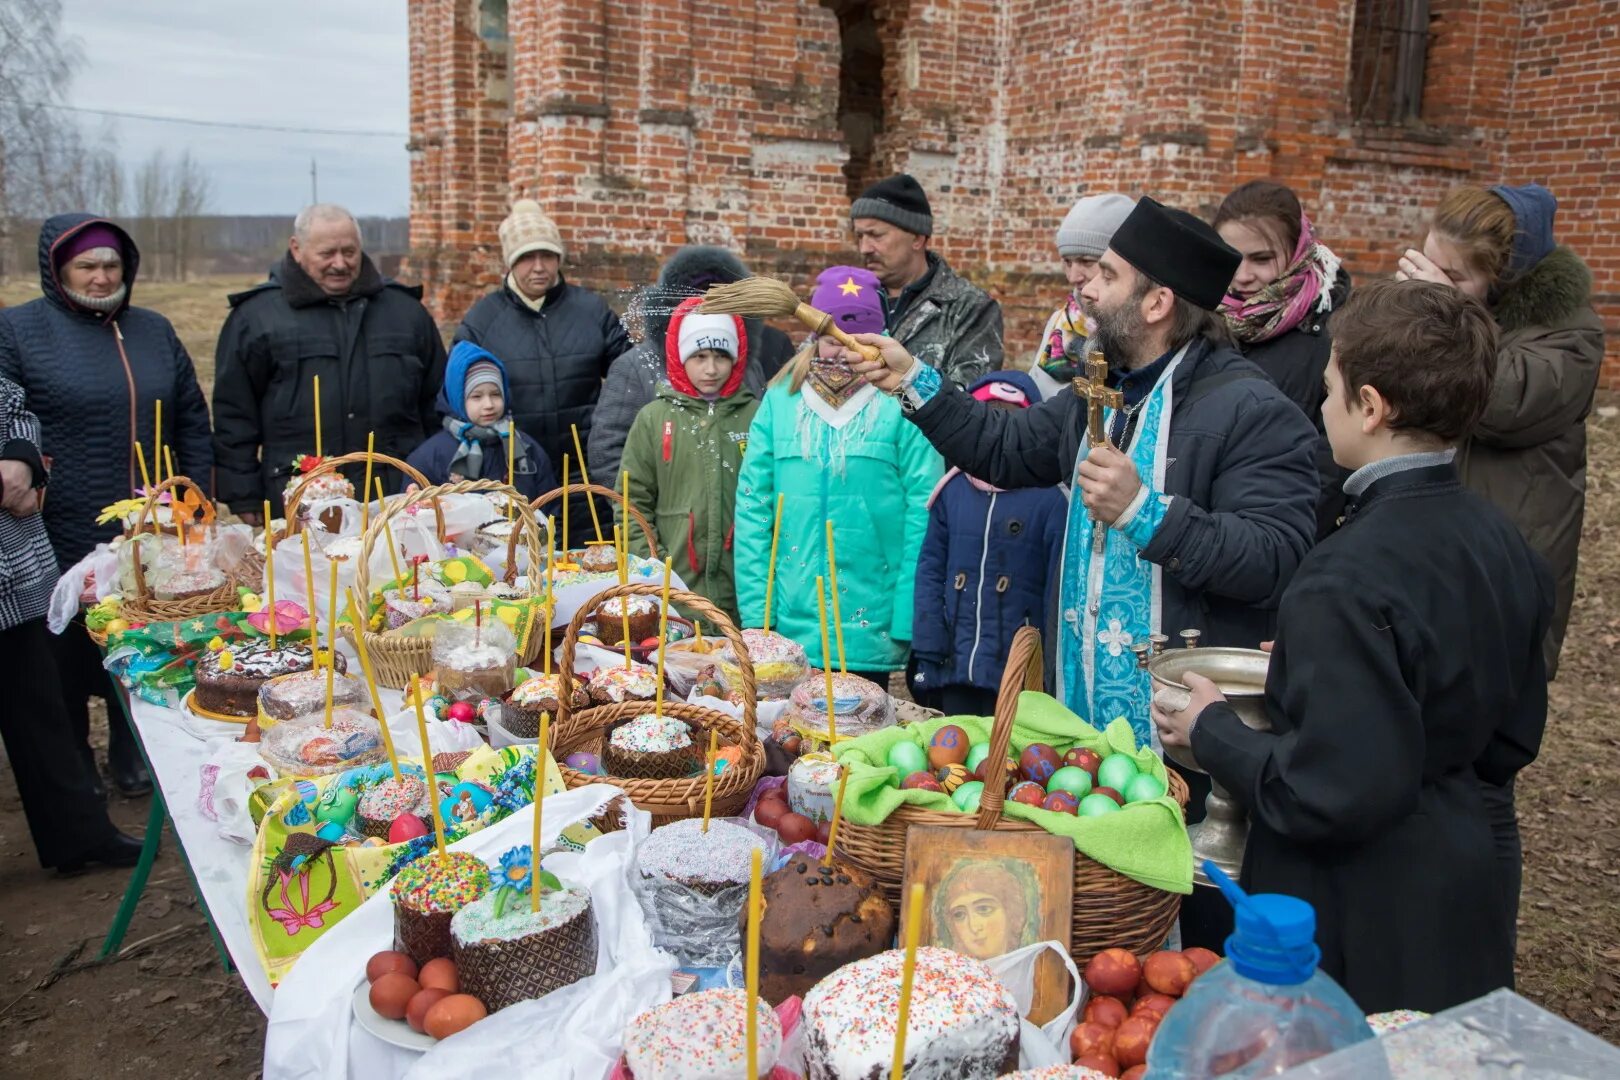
(701, 1036)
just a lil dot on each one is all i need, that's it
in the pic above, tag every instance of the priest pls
(1197, 485)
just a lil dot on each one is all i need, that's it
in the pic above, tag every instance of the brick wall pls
(641, 125)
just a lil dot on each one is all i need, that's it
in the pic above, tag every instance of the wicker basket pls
(597, 489)
(1110, 909)
(332, 465)
(142, 606)
(666, 800)
(396, 659)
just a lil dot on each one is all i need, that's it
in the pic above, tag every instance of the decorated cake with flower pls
(228, 680)
(508, 949)
(963, 1022)
(652, 747)
(702, 1036)
(521, 709)
(427, 894)
(617, 684)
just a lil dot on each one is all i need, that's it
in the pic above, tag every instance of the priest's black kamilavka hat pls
(1178, 251)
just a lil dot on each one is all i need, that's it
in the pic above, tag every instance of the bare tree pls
(190, 191)
(37, 141)
(154, 201)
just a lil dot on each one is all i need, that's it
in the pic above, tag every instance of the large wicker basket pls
(332, 465)
(396, 659)
(666, 800)
(142, 605)
(597, 489)
(1110, 909)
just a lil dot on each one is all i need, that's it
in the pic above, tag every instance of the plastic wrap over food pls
(473, 661)
(307, 747)
(692, 885)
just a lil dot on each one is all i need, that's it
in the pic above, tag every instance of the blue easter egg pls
(331, 831)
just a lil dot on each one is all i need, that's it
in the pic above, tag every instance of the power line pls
(225, 123)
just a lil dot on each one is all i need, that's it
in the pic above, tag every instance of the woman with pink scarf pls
(1278, 305)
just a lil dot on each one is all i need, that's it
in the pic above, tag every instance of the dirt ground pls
(164, 1006)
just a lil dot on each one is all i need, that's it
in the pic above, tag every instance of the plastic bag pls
(97, 572)
(699, 928)
(474, 661)
(1046, 1044)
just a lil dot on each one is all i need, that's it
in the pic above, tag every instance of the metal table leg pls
(137, 880)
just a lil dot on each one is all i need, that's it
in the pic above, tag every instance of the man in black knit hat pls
(1196, 510)
(941, 319)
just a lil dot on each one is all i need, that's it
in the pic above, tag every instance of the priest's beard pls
(1119, 330)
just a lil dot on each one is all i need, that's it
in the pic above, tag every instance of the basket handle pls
(526, 517)
(1023, 672)
(691, 602)
(142, 592)
(332, 465)
(616, 497)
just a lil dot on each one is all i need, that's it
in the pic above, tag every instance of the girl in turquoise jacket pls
(835, 449)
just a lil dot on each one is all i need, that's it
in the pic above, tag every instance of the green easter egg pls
(976, 755)
(337, 805)
(1097, 805)
(1075, 781)
(1116, 771)
(1144, 788)
(908, 757)
(966, 797)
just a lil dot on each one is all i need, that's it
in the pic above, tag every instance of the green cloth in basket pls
(1146, 841)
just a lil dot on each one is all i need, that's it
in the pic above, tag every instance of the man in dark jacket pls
(324, 311)
(944, 321)
(93, 369)
(1203, 516)
(635, 377)
(555, 338)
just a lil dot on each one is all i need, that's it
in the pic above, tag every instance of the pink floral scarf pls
(1304, 287)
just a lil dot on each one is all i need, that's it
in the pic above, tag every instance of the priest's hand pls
(887, 373)
(1175, 728)
(1416, 266)
(1108, 483)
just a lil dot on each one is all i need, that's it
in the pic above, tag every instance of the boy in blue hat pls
(472, 445)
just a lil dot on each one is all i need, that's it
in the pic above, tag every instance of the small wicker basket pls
(332, 465)
(667, 800)
(1110, 909)
(143, 606)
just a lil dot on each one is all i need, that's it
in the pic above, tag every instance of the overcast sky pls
(289, 63)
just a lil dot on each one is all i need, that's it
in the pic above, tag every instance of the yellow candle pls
(585, 478)
(624, 507)
(317, 416)
(832, 585)
(427, 765)
(157, 440)
(146, 477)
(551, 598)
(388, 535)
(539, 804)
(708, 777)
(330, 670)
(770, 570)
(838, 815)
(908, 972)
(663, 632)
(365, 488)
(309, 595)
(752, 965)
(371, 683)
(270, 572)
(624, 602)
(331, 614)
(826, 661)
(565, 505)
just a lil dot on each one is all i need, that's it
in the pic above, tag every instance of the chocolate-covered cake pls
(228, 681)
(816, 919)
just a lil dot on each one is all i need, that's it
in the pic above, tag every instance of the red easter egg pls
(462, 712)
(1081, 758)
(921, 781)
(770, 812)
(650, 643)
(1038, 762)
(1063, 802)
(1028, 793)
(1011, 774)
(795, 828)
(949, 746)
(1111, 793)
(406, 827)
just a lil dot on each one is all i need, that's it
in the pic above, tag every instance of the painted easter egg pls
(949, 746)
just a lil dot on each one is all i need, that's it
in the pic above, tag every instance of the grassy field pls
(1569, 940)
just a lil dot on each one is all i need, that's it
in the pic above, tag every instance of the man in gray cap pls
(943, 320)
(1081, 240)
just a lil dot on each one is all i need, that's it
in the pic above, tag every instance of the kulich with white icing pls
(651, 735)
(779, 663)
(701, 1036)
(963, 1023)
(382, 803)
(599, 559)
(681, 852)
(506, 953)
(614, 685)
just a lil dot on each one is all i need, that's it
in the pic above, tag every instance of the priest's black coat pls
(1407, 669)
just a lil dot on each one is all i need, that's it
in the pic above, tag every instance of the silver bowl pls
(1240, 674)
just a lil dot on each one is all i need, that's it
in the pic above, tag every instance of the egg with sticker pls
(952, 776)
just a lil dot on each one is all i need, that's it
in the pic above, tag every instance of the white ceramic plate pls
(395, 1032)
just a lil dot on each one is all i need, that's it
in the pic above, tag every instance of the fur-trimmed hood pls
(1549, 294)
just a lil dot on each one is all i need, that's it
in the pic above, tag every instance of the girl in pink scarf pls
(1270, 296)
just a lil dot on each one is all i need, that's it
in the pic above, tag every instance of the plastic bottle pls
(1265, 1010)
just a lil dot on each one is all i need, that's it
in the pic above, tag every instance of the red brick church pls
(642, 125)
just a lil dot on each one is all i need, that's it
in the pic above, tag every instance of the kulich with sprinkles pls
(963, 1023)
(779, 663)
(616, 685)
(383, 802)
(694, 886)
(609, 619)
(427, 894)
(520, 711)
(701, 1036)
(654, 748)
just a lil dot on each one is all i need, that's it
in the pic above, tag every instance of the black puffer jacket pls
(555, 359)
(635, 377)
(94, 380)
(1296, 362)
(1241, 469)
(381, 363)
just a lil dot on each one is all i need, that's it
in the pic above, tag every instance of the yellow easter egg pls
(456, 572)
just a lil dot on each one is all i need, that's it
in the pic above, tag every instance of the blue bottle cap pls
(1274, 940)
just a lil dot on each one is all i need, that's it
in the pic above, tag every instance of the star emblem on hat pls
(849, 288)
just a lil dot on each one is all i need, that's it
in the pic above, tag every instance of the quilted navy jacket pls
(94, 379)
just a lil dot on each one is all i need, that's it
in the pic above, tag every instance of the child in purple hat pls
(838, 451)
